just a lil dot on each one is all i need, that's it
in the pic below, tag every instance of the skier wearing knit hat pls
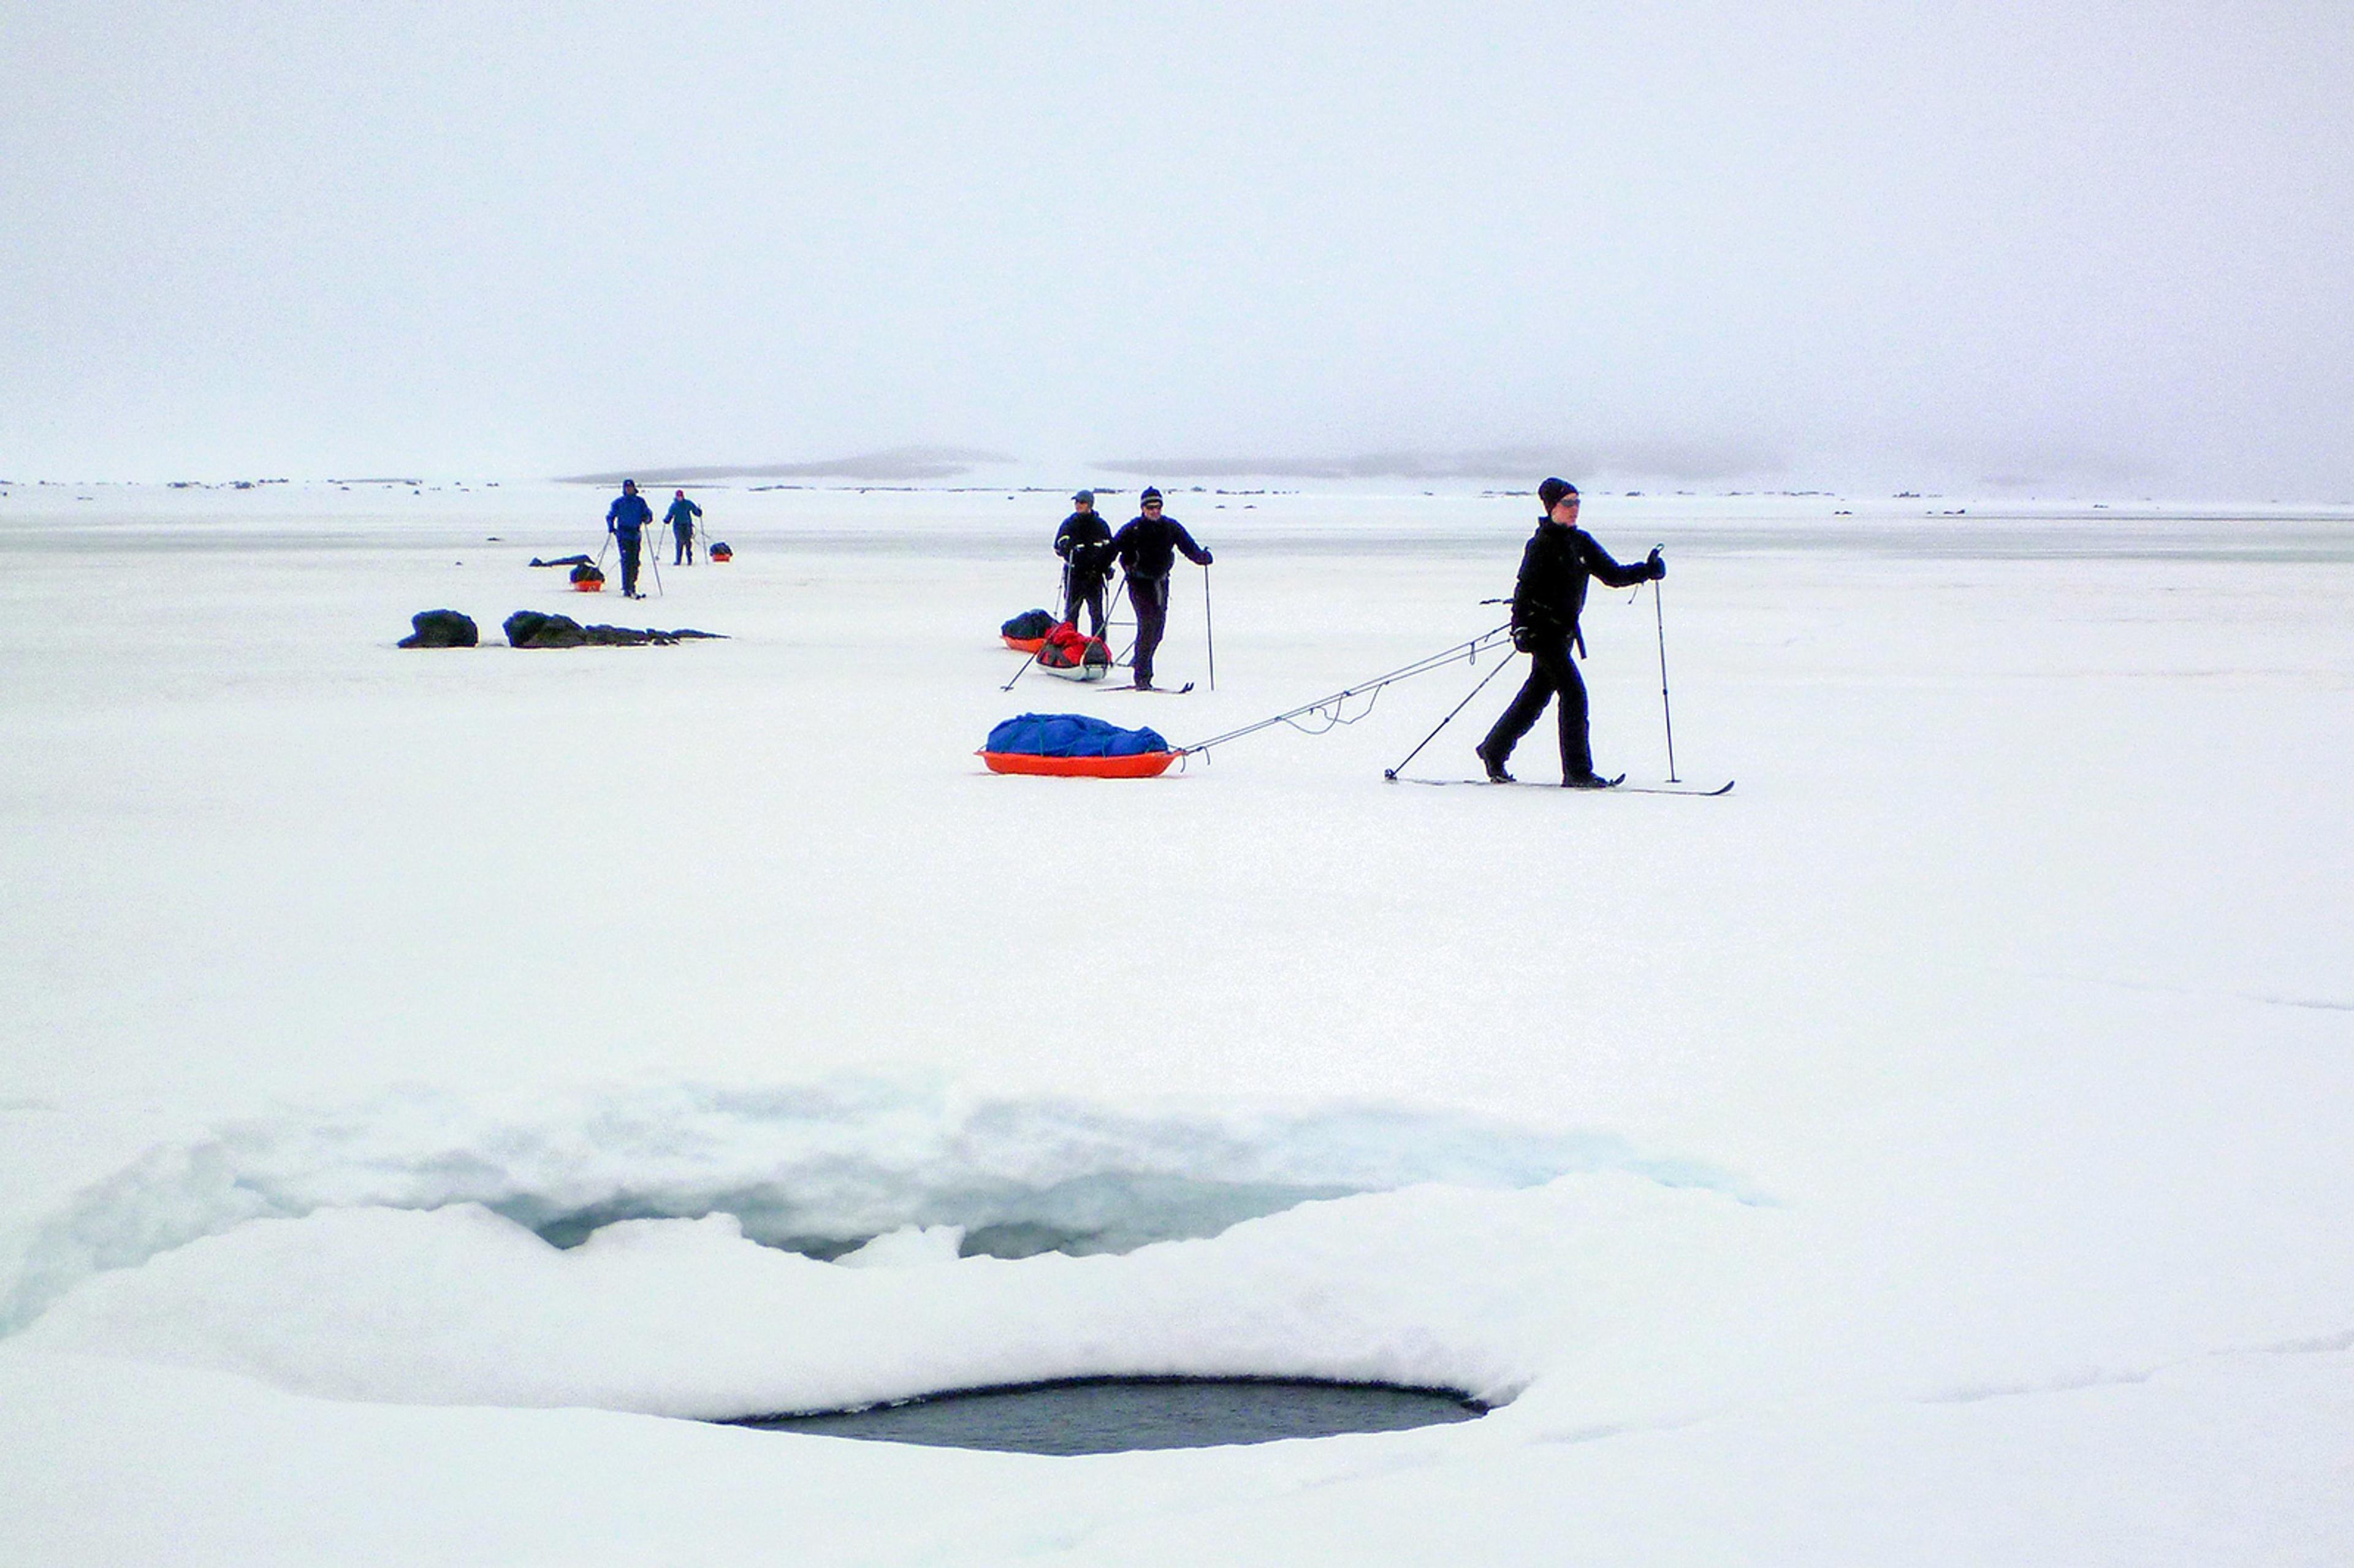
(681, 517)
(1148, 546)
(1560, 558)
(626, 520)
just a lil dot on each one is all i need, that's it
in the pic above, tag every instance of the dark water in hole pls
(1112, 1415)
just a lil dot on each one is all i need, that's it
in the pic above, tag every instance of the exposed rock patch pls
(441, 629)
(530, 629)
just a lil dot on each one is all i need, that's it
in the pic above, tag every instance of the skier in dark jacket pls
(1084, 541)
(1147, 549)
(1551, 592)
(681, 518)
(624, 520)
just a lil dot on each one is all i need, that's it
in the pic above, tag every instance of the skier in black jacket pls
(1084, 541)
(1147, 547)
(1555, 568)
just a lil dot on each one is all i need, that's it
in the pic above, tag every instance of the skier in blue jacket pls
(624, 520)
(681, 518)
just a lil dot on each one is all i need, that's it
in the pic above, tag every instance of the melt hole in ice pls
(1116, 1414)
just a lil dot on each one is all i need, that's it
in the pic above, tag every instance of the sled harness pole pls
(1209, 631)
(1330, 706)
(1118, 589)
(1027, 660)
(1391, 773)
(1112, 591)
(1659, 617)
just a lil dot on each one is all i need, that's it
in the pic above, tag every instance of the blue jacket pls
(628, 514)
(682, 514)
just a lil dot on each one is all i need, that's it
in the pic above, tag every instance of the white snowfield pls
(435, 1085)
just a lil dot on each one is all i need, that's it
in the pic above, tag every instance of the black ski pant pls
(684, 557)
(1089, 592)
(1552, 672)
(630, 542)
(1150, 597)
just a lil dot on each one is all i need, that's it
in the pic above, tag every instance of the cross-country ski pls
(1620, 788)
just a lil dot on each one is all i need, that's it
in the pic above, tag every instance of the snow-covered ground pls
(1933, 1151)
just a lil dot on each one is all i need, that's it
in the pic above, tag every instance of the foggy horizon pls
(2101, 249)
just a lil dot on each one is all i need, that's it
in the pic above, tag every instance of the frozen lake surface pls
(430, 1076)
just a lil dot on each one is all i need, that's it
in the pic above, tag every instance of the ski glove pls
(1658, 565)
(1207, 558)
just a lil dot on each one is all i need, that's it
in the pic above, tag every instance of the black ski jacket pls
(1084, 541)
(1553, 572)
(1148, 546)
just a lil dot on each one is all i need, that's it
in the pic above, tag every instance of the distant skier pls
(1551, 592)
(1084, 541)
(623, 519)
(1147, 548)
(681, 518)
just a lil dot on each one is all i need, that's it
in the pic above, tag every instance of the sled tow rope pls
(1332, 709)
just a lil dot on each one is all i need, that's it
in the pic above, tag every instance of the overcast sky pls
(2109, 244)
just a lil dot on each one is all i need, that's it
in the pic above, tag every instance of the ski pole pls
(1660, 615)
(654, 559)
(1208, 631)
(1027, 660)
(1391, 773)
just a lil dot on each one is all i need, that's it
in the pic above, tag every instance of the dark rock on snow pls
(622, 636)
(441, 629)
(529, 629)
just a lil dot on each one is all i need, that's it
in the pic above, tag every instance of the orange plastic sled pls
(590, 585)
(1143, 765)
(1024, 644)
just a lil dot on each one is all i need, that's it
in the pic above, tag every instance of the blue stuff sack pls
(1071, 734)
